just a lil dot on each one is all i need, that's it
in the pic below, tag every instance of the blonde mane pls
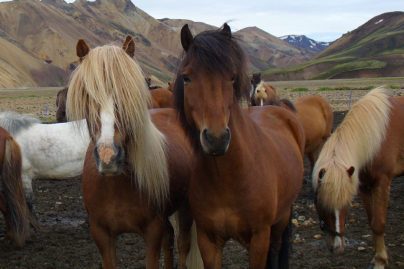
(353, 144)
(107, 73)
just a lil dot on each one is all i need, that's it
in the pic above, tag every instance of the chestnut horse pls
(313, 111)
(363, 154)
(137, 168)
(61, 105)
(264, 94)
(12, 199)
(249, 162)
(162, 98)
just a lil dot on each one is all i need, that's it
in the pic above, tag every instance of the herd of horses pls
(191, 158)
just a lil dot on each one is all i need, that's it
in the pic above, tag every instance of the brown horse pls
(12, 200)
(363, 154)
(264, 94)
(61, 105)
(315, 114)
(249, 162)
(313, 111)
(136, 171)
(162, 98)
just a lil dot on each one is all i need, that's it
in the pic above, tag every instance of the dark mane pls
(216, 53)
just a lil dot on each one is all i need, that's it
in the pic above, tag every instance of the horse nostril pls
(206, 135)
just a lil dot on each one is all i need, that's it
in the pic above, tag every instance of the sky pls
(322, 20)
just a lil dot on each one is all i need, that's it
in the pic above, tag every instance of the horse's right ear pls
(129, 46)
(82, 49)
(186, 37)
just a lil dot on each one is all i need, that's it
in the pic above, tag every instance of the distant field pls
(341, 93)
(39, 102)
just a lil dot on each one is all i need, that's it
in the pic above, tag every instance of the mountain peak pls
(303, 42)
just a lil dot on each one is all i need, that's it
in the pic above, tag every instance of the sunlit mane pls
(108, 72)
(354, 143)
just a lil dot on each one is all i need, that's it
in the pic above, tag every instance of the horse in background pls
(49, 151)
(362, 155)
(138, 165)
(12, 200)
(314, 112)
(162, 97)
(249, 162)
(61, 105)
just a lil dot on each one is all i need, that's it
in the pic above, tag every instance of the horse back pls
(391, 155)
(280, 122)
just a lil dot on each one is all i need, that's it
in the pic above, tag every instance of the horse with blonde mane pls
(12, 199)
(138, 165)
(242, 184)
(264, 94)
(363, 155)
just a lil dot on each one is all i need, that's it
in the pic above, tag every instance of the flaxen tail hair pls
(17, 216)
(107, 73)
(354, 143)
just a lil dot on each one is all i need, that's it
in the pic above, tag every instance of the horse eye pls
(186, 79)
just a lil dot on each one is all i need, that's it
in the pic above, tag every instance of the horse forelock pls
(213, 53)
(354, 143)
(108, 73)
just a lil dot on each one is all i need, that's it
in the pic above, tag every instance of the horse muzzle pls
(215, 145)
(109, 159)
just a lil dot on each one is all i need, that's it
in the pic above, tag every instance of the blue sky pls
(322, 20)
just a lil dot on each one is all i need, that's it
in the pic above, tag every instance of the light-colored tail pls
(194, 259)
(17, 215)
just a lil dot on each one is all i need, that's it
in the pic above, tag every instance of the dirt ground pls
(64, 241)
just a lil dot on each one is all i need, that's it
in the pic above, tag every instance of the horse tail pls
(194, 259)
(17, 211)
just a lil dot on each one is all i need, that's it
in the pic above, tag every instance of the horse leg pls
(376, 201)
(279, 246)
(259, 247)
(153, 237)
(211, 249)
(106, 243)
(168, 246)
(184, 222)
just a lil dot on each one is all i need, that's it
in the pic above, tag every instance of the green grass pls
(345, 88)
(299, 89)
(395, 87)
(351, 66)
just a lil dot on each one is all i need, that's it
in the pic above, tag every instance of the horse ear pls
(129, 46)
(227, 31)
(186, 37)
(82, 49)
(351, 170)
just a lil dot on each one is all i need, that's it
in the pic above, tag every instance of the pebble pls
(295, 222)
(58, 203)
(366, 236)
(301, 218)
(317, 236)
(361, 248)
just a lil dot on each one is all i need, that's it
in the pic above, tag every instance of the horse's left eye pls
(186, 79)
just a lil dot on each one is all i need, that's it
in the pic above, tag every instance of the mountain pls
(265, 50)
(44, 33)
(374, 49)
(303, 42)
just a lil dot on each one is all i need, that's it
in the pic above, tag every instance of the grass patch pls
(351, 66)
(299, 89)
(395, 87)
(344, 88)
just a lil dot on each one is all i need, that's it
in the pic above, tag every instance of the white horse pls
(49, 151)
